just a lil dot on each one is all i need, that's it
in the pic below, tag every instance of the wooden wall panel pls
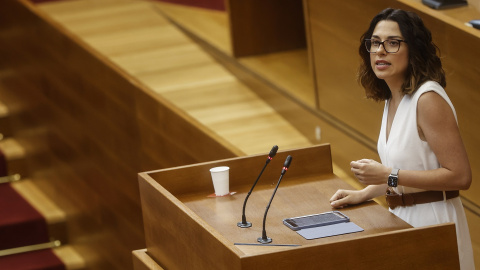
(266, 26)
(335, 30)
(460, 55)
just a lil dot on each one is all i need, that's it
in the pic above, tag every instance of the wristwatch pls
(393, 178)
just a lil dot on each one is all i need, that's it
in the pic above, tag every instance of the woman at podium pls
(424, 163)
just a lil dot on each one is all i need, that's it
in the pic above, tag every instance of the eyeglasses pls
(390, 45)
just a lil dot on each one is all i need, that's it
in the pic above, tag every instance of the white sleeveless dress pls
(406, 151)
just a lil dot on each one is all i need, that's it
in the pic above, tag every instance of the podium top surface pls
(294, 197)
(304, 189)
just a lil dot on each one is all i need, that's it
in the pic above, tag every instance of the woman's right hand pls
(343, 198)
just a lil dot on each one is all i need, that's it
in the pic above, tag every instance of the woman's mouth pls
(382, 64)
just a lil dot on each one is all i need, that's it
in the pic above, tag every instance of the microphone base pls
(264, 240)
(244, 225)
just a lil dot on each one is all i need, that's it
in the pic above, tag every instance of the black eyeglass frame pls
(382, 43)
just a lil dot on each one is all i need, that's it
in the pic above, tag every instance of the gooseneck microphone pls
(264, 239)
(244, 223)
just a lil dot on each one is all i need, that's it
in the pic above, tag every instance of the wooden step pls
(54, 216)
(69, 256)
(15, 155)
(20, 223)
(16, 163)
(5, 128)
(42, 256)
(3, 110)
(56, 224)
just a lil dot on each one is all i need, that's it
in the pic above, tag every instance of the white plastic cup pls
(220, 178)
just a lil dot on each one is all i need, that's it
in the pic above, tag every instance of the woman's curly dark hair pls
(424, 63)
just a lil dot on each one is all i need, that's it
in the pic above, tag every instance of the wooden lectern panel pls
(141, 261)
(186, 229)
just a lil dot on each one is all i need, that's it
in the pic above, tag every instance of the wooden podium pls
(186, 229)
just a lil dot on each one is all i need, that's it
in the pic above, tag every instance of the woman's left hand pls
(370, 172)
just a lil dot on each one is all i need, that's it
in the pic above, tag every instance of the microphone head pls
(287, 162)
(273, 152)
